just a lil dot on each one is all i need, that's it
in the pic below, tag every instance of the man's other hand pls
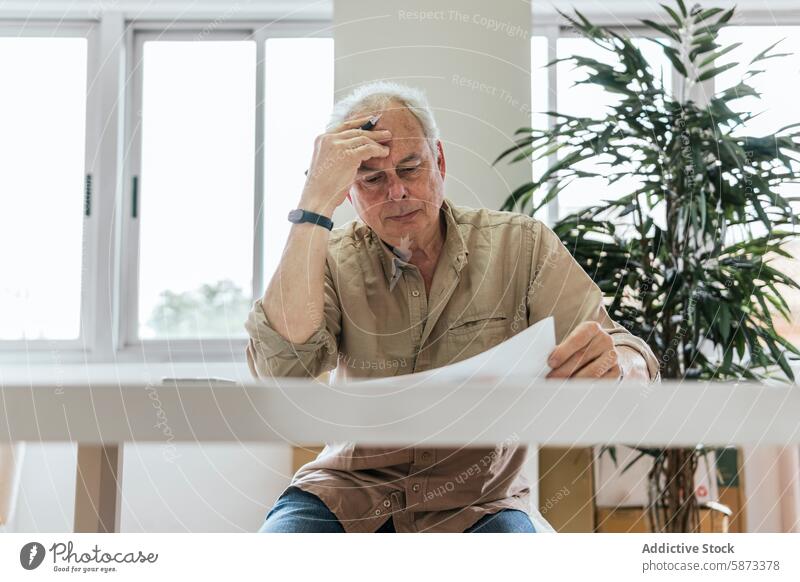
(587, 352)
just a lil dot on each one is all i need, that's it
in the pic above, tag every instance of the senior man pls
(416, 283)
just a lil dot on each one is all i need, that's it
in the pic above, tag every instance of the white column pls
(473, 60)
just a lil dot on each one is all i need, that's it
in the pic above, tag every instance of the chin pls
(400, 229)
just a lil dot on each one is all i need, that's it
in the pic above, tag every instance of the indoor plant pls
(682, 258)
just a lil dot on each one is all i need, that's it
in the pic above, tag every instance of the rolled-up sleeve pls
(269, 354)
(560, 288)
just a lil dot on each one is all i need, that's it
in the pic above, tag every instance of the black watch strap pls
(298, 216)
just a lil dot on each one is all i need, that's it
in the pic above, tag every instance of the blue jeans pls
(298, 511)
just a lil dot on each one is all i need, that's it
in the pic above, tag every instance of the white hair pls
(379, 94)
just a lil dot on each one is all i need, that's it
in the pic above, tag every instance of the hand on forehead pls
(407, 136)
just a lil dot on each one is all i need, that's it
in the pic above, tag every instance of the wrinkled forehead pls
(407, 138)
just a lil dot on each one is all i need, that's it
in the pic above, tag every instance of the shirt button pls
(377, 512)
(415, 487)
(387, 503)
(426, 456)
(415, 293)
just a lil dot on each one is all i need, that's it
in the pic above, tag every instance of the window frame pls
(14, 350)
(205, 349)
(130, 258)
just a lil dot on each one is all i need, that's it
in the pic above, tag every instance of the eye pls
(408, 171)
(373, 179)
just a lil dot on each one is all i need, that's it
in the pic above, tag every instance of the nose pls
(397, 190)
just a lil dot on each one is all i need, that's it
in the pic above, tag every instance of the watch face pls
(295, 215)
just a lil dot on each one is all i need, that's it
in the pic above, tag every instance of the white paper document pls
(522, 355)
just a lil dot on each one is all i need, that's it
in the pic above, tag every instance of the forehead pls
(407, 134)
(399, 120)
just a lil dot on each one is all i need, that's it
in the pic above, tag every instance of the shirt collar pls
(454, 249)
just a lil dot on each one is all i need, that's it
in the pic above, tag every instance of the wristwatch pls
(299, 216)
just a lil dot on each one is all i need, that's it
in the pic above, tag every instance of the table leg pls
(97, 488)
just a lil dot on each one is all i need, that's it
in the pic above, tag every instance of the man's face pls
(399, 196)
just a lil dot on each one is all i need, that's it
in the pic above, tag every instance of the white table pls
(101, 407)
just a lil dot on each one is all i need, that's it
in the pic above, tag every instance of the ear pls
(440, 163)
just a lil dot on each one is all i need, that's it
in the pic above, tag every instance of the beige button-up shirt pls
(498, 273)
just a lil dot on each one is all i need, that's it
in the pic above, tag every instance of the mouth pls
(405, 217)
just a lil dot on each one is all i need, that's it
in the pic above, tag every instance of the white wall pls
(206, 488)
(46, 497)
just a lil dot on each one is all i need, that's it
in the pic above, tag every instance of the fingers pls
(612, 374)
(362, 139)
(590, 365)
(354, 123)
(588, 352)
(606, 366)
(580, 337)
(574, 363)
(364, 148)
(579, 359)
(378, 135)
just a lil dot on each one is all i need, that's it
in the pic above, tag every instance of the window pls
(776, 108)
(220, 162)
(194, 191)
(42, 167)
(593, 101)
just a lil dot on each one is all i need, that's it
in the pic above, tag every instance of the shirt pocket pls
(477, 332)
(483, 321)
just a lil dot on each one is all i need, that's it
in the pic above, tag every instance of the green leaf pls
(551, 193)
(705, 38)
(633, 461)
(724, 322)
(759, 208)
(727, 16)
(728, 358)
(715, 71)
(674, 58)
(520, 144)
(673, 14)
(780, 359)
(612, 452)
(520, 196)
(762, 56)
(663, 29)
(706, 14)
(718, 54)
(785, 127)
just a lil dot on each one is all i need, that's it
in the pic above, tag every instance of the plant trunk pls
(673, 506)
